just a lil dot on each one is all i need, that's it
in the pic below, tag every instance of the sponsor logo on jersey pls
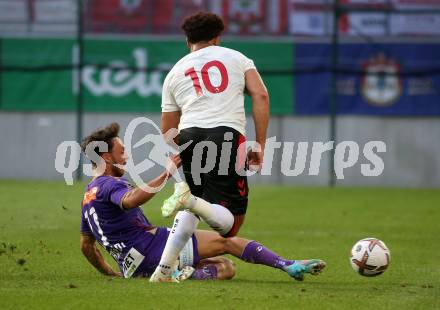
(90, 195)
(131, 262)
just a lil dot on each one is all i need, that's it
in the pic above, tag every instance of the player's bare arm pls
(170, 120)
(141, 195)
(260, 112)
(94, 256)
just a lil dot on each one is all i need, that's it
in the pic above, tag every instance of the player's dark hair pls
(106, 134)
(202, 27)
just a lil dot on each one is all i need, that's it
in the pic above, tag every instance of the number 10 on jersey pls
(191, 72)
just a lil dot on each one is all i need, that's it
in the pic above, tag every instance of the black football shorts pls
(217, 148)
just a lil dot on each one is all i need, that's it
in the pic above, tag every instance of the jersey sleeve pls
(85, 228)
(169, 103)
(117, 191)
(248, 64)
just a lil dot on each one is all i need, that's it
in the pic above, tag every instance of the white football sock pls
(185, 223)
(216, 216)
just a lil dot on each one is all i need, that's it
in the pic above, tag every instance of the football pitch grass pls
(41, 266)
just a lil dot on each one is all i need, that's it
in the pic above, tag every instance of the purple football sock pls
(208, 272)
(255, 253)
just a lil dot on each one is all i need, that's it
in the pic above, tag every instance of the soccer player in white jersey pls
(203, 96)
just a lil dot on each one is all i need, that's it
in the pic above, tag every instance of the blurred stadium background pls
(67, 67)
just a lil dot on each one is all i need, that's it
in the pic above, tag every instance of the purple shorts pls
(153, 252)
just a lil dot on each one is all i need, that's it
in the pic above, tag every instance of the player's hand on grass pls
(115, 274)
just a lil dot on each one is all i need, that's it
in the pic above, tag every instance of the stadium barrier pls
(358, 75)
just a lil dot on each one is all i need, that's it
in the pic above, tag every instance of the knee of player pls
(230, 245)
(221, 246)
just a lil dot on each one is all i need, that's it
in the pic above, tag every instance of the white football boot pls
(183, 274)
(177, 201)
(159, 276)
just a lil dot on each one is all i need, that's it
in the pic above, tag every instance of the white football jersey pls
(207, 86)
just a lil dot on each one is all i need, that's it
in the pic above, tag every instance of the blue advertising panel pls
(373, 79)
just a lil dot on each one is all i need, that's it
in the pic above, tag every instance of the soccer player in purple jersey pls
(111, 215)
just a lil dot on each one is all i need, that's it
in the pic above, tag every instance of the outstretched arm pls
(94, 256)
(140, 195)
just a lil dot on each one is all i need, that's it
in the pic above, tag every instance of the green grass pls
(39, 225)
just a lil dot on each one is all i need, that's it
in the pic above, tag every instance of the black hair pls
(202, 27)
(106, 134)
